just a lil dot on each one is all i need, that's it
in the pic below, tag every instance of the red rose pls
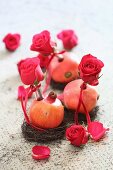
(42, 44)
(12, 41)
(89, 68)
(29, 70)
(77, 135)
(68, 38)
(44, 60)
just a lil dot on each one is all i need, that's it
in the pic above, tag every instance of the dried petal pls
(40, 152)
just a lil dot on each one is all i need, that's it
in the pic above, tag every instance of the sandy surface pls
(93, 23)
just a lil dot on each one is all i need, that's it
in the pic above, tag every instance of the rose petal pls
(39, 74)
(40, 152)
(77, 135)
(48, 81)
(96, 130)
(78, 140)
(44, 60)
(85, 139)
(21, 92)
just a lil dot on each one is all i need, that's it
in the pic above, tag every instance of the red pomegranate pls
(70, 96)
(63, 70)
(47, 113)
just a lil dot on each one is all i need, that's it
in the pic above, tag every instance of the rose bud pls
(71, 93)
(42, 43)
(12, 41)
(89, 68)
(63, 70)
(69, 39)
(30, 71)
(77, 135)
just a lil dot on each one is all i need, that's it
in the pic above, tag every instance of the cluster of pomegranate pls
(47, 109)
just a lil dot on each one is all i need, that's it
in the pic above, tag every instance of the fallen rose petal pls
(96, 130)
(40, 152)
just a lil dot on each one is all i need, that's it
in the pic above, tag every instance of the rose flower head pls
(77, 135)
(12, 41)
(69, 39)
(89, 68)
(30, 71)
(42, 43)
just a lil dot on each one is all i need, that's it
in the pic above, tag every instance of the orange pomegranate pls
(71, 96)
(46, 113)
(63, 70)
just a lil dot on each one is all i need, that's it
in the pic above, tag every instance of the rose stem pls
(87, 113)
(36, 95)
(40, 94)
(47, 82)
(49, 76)
(78, 107)
(51, 97)
(60, 58)
(84, 86)
(52, 56)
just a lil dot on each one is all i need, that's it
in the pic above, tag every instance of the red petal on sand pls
(96, 130)
(40, 152)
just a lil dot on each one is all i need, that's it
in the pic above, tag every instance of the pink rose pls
(30, 71)
(42, 44)
(77, 135)
(89, 68)
(69, 39)
(12, 41)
